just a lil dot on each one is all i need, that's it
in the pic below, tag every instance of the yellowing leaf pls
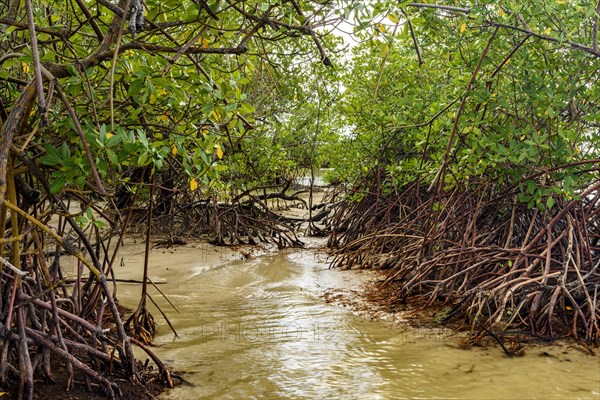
(548, 30)
(219, 151)
(203, 42)
(164, 117)
(174, 150)
(109, 135)
(392, 18)
(462, 27)
(193, 185)
(161, 91)
(216, 116)
(25, 67)
(381, 28)
(501, 12)
(561, 1)
(385, 50)
(569, 308)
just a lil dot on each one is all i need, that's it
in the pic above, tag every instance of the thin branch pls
(112, 69)
(84, 142)
(61, 33)
(439, 179)
(414, 37)
(440, 7)
(508, 57)
(90, 19)
(306, 30)
(324, 59)
(381, 68)
(595, 32)
(9, 56)
(12, 267)
(574, 45)
(36, 64)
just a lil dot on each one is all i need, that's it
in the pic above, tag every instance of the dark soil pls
(82, 389)
(47, 390)
(377, 300)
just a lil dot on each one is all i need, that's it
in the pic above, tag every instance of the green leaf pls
(81, 220)
(112, 156)
(247, 108)
(72, 70)
(207, 109)
(135, 87)
(64, 151)
(142, 138)
(99, 224)
(57, 184)
(143, 160)
(52, 157)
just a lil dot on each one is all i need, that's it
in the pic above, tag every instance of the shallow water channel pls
(259, 328)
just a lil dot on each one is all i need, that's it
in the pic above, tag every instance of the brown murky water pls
(259, 329)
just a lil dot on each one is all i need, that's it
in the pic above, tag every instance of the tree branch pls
(39, 87)
(595, 32)
(91, 20)
(440, 7)
(439, 179)
(13, 124)
(61, 33)
(414, 37)
(84, 143)
(60, 70)
(306, 30)
(574, 45)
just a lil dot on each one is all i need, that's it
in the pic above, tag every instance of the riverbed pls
(253, 324)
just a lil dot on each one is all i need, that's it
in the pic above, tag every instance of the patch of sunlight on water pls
(258, 329)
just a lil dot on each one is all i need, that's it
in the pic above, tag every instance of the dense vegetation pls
(462, 136)
(168, 117)
(474, 162)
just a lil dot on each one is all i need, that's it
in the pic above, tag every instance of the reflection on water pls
(258, 329)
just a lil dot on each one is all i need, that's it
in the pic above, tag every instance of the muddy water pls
(258, 328)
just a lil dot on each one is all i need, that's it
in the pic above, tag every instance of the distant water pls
(319, 180)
